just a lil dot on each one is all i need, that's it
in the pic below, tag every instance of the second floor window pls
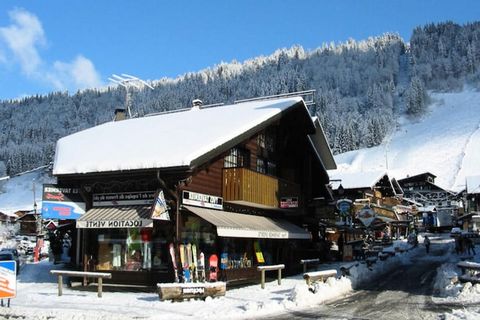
(266, 167)
(237, 158)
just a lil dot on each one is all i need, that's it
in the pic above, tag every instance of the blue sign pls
(62, 202)
(61, 210)
(344, 206)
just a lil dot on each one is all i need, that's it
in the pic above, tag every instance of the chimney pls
(120, 114)
(197, 104)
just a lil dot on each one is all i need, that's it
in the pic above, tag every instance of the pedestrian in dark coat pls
(426, 241)
(470, 246)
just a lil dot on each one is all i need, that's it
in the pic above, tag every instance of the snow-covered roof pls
(427, 209)
(167, 140)
(355, 180)
(473, 184)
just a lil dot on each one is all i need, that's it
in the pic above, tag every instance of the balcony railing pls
(246, 186)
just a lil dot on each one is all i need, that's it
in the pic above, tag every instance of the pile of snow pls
(444, 142)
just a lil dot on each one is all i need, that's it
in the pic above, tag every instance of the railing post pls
(60, 282)
(100, 283)
(263, 278)
(279, 276)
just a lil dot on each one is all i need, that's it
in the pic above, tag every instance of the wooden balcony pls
(248, 187)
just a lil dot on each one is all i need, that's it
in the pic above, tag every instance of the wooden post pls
(100, 283)
(60, 283)
(263, 278)
(279, 276)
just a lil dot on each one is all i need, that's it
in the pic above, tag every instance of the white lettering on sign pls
(202, 200)
(272, 234)
(193, 290)
(99, 224)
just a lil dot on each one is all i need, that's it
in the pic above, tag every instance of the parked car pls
(8, 255)
(455, 232)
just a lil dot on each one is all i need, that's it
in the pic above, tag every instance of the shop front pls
(125, 241)
(242, 241)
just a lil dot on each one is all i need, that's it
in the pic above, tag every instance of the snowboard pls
(171, 249)
(195, 261)
(201, 266)
(213, 268)
(224, 261)
(188, 263)
(183, 260)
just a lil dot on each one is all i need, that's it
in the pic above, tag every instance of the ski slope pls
(445, 142)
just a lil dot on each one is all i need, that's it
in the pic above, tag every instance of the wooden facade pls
(252, 176)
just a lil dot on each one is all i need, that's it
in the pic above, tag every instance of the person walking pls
(470, 246)
(426, 241)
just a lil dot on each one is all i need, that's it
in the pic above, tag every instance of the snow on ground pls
(444, 142)
(37, 296)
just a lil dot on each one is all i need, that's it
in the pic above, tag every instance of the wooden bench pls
(468, 278)
(469, 267)
(345, 269)
(383, 256)
(99, 275)
(180, 291)
(307, 262)
(316, 276)
(262, 269)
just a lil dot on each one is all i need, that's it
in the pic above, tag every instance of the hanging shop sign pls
(288, 202)
(8, 279)
(366, 215)
(123, 199)
(344, 206)
(202, 200)
(61, 202)
(160, 208)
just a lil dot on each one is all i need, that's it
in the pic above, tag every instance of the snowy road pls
(405, 293)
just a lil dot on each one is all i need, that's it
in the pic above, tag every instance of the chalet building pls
(367, 201)
(470, 221)
(422, 189)
(7, 219)
(242, 182)
(28, 222)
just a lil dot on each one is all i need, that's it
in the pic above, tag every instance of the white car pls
(456, 231)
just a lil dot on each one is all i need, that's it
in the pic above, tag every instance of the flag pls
(160, 208)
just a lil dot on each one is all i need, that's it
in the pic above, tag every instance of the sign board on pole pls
(62, 202)
(366, 215)
(8, 279)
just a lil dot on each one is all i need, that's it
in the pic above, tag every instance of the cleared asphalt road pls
(405, 293)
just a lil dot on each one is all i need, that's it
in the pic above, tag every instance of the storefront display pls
(133, 249)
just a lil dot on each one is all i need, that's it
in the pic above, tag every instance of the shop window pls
(131, 249)
(237, 158)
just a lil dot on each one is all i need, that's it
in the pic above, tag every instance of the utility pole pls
(127, 81)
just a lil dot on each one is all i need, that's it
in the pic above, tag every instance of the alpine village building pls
(244, 182)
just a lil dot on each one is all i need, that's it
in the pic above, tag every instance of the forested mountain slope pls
(362, 88)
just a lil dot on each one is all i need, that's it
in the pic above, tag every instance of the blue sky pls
(55, 45)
